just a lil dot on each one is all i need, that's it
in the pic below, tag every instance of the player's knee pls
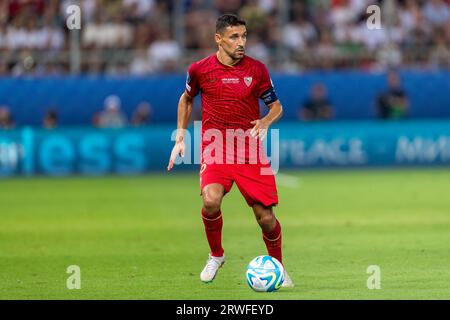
(211, 204)
(267, 220)
(212, 199)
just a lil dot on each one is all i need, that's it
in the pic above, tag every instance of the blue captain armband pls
(269, 96)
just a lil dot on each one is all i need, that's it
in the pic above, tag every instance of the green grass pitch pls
(142, 237)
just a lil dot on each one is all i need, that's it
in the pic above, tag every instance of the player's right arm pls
(184, 116)
(184, 113)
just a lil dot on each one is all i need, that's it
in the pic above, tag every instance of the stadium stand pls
(154, 36)
(139, 50)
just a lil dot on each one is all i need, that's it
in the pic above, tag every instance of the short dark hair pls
(228, 20)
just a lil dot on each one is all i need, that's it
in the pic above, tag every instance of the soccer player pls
(231, 84)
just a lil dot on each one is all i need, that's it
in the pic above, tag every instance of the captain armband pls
(269, 96)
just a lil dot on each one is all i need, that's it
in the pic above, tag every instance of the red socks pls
(272, 240)
(213, 229)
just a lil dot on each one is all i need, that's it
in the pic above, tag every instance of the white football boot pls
(212, 266)
(287, 283)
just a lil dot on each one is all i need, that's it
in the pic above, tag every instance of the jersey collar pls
(237, 65)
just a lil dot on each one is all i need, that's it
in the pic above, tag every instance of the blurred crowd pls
(110, 116)
(392, 102)
(154, 36)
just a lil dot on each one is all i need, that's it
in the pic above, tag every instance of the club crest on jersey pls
(248, 81)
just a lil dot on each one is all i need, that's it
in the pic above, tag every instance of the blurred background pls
(364, 148)
(132, 37)
(352, 95)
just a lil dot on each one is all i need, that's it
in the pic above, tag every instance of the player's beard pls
(237, 54)
(234, 55)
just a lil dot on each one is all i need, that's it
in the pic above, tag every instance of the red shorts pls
(254, 186)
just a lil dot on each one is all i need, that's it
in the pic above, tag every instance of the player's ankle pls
(219, 255)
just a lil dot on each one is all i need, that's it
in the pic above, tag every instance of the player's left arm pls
(262, 125)
(266, 92)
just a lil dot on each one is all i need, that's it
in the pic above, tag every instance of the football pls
(265, 274)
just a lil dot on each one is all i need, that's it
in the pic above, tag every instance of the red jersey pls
(230, 98)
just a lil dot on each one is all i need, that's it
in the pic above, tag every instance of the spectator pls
(4, 11)
(3, 36)
(257, 49)
(142, 115)
(329, 34)
(393, 103)
(140, 63)
(138, 9)
(440, 54)
(299, 33)
(52, 34)
(389, 56)
(108, 32)
(111, 116)
(254, 15)
(3, 68)
(50, 120)
(317, 106)
(6, 120)
(164, 52)
(408, 15)
(437, 12)
(325, 51)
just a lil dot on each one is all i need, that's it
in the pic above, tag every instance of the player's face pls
(232, 41)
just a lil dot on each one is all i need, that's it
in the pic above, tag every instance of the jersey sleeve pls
(265, 83)
(266, 91)
(192, 83)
